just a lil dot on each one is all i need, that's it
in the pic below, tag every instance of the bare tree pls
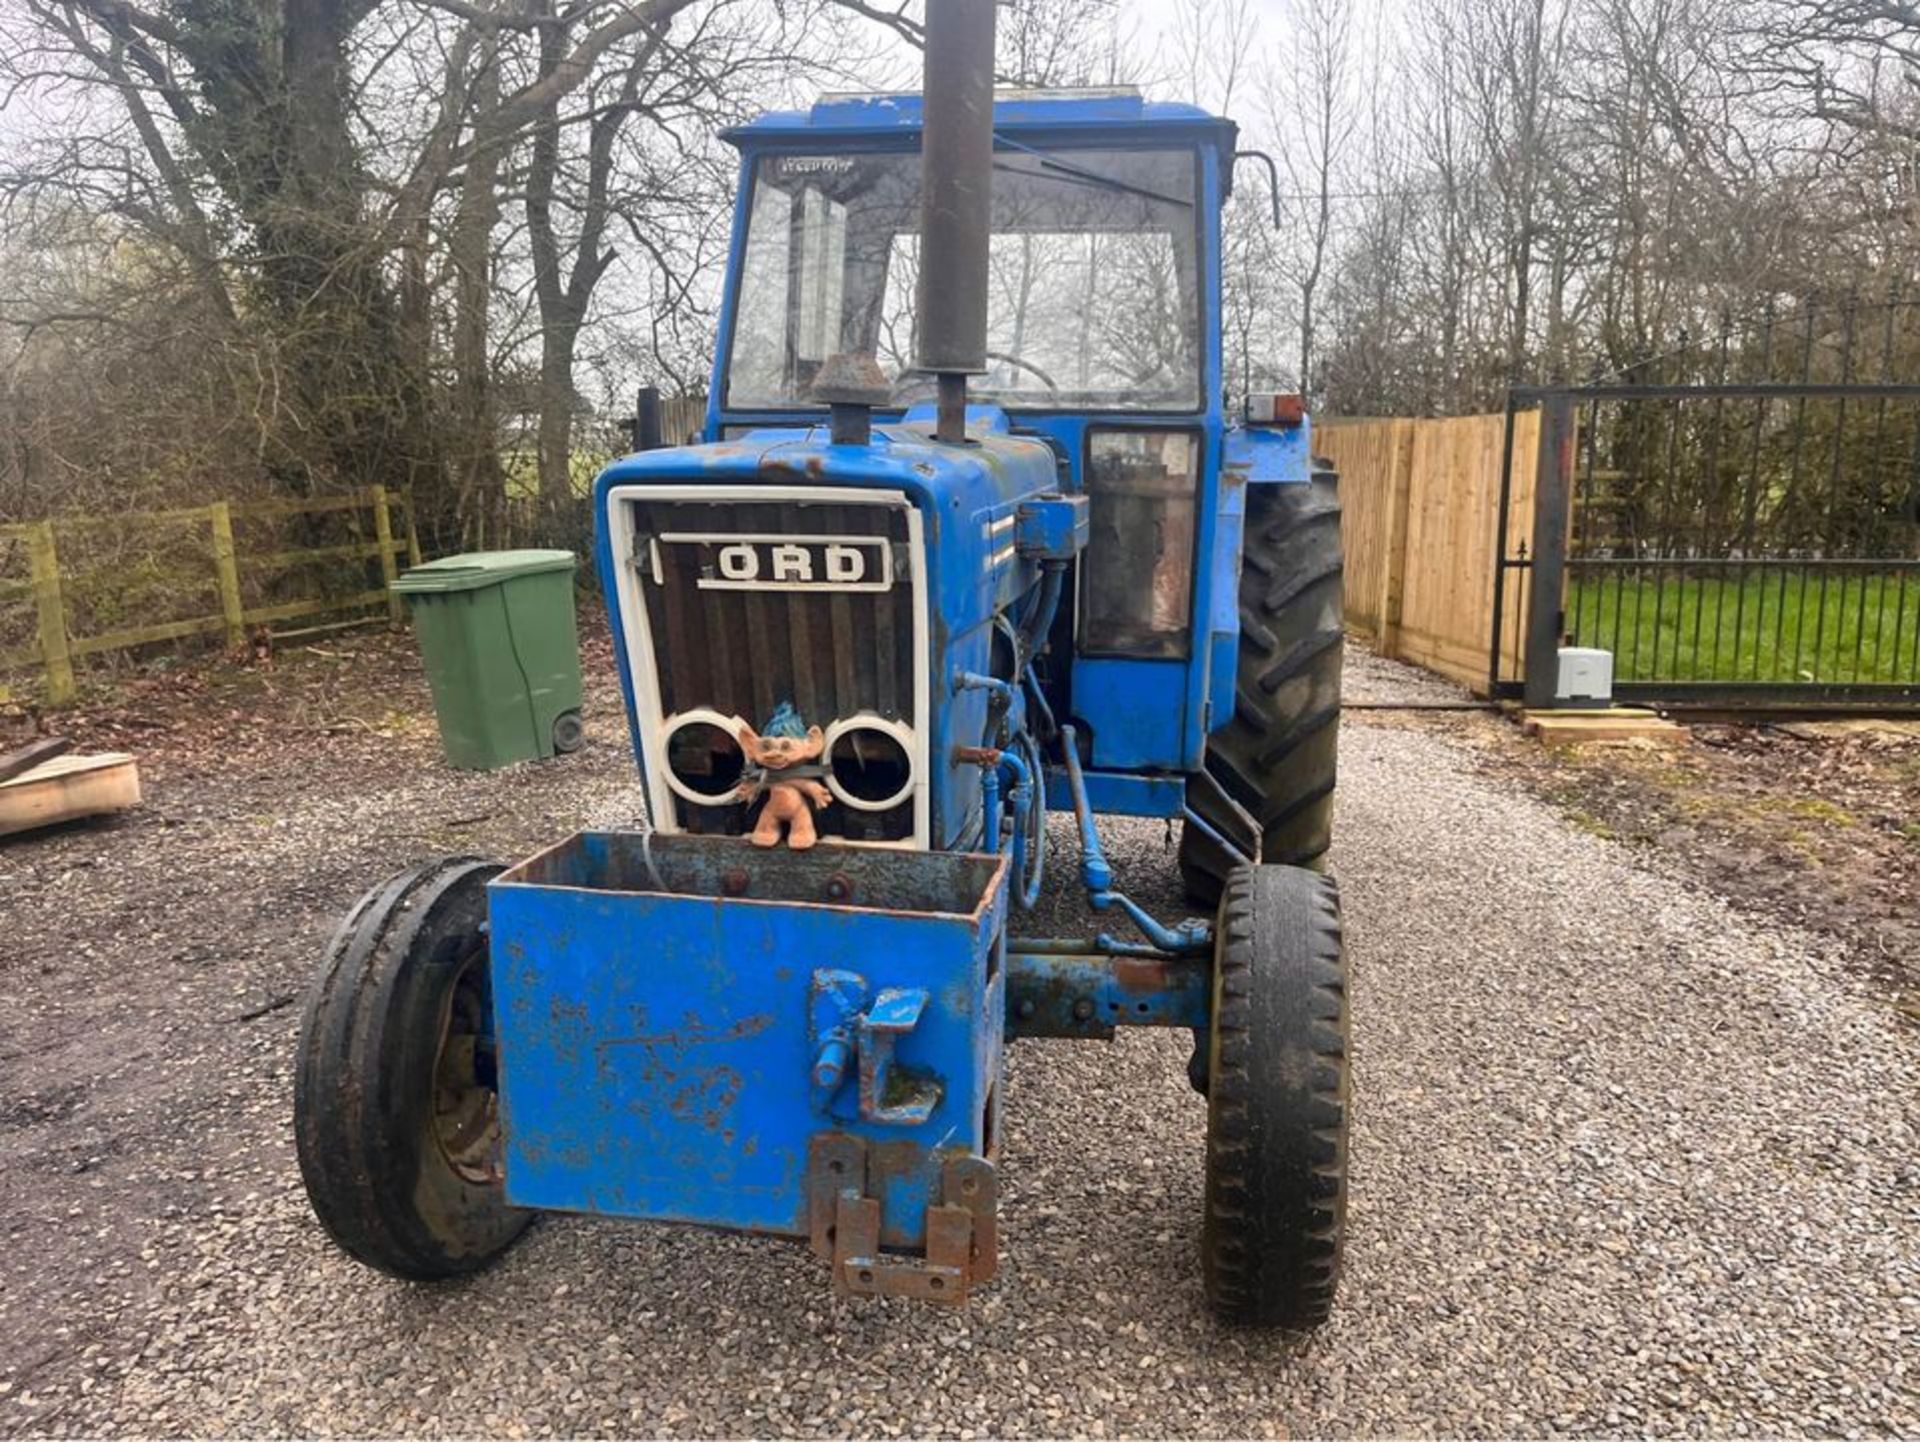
(1311, 105)
(333, 177)
(1057, 42)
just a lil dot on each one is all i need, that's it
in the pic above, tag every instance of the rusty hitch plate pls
(844, 1223)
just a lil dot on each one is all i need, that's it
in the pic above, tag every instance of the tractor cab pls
(1096, 380)
(1103, 228)
(1102, 341)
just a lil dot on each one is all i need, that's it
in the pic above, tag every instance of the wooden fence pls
(1420, 511)
(50, 593)
(681, 418)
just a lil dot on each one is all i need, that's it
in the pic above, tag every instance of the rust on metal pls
(1088, 996)
(972, 1185)
(836, 1167)
(845, 1223)
(1132, 973)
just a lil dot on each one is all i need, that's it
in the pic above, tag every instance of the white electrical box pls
(1586, 674)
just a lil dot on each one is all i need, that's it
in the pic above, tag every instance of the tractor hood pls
(854, 581)
(950, 485)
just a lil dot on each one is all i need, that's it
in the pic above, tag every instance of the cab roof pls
(1121, 111)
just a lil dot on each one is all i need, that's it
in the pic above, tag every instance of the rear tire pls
(395, 1103)
(1276, 757)
(1277, 1101)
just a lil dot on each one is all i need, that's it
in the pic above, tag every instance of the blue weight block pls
(662, 1014)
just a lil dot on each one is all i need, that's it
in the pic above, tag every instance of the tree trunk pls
(564, 300)
(559, 323)
(479, 484)
(304, 197)
(556, 417)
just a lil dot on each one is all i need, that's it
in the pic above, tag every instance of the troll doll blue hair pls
(786, 722)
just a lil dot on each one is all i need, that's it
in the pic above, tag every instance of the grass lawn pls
(1847, 625)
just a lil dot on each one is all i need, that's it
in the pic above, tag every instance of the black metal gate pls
(1731, 543)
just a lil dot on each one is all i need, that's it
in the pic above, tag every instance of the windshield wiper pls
(1082, 174)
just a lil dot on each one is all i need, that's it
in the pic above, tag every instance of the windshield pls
(1093, 291)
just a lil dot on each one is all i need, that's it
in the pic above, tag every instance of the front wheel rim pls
(466, 1098)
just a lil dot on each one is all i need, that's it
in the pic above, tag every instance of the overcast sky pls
(1148, 20)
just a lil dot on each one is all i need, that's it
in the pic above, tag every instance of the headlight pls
(870, 762)
(704, 759)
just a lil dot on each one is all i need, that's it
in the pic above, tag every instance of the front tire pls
(1275, 759)
(395, 1096)
(1277, 1101)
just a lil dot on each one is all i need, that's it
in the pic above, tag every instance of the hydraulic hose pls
(1026, 802)
(1036, 825)
(1046, 604)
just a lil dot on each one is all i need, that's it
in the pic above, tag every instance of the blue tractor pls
(968, 537)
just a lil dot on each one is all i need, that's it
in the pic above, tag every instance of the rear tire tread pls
(1277, 753)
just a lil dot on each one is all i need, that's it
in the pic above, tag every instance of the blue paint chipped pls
(708, 1118)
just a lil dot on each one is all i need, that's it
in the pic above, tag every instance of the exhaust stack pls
(956, 182)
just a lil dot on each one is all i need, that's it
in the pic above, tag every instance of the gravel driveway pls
(1624, 1161)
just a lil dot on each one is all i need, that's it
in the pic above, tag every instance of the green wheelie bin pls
(497, 634)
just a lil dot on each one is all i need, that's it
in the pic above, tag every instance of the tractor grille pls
(742, 646)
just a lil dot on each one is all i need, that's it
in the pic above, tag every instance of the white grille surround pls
(631, 572)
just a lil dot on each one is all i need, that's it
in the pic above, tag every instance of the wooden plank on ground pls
(67, 788)
(1573, 728)
(25, 758)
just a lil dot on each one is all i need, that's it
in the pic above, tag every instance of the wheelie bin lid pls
(475, 569)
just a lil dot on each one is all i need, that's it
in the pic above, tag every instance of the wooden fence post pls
(1546, 574)
(228, 571)
(383, 533)
(43, 570)
(1393, 586)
